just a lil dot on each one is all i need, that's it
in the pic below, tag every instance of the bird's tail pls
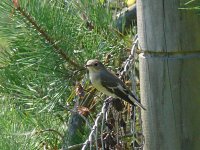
(136, 102)
(139, 104)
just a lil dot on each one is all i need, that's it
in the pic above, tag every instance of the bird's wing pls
(114, 85)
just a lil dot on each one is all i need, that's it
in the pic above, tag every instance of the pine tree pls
(44, 45)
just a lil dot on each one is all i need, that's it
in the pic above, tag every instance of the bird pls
(109, 84)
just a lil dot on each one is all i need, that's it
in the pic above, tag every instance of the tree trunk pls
(169, 74)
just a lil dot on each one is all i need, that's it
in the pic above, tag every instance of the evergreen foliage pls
(43, 48)
(192, 5)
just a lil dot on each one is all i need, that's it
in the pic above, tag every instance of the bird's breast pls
(96, 82)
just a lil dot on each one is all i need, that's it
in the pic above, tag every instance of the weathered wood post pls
(169, 74)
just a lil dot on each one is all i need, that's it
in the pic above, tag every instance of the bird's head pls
(94, 65)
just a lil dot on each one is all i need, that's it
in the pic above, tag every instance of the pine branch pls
(51, 130)
(47, 37)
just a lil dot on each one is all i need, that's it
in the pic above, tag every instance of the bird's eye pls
(96, 64)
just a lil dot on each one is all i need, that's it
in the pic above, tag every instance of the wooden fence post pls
(169, 74)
